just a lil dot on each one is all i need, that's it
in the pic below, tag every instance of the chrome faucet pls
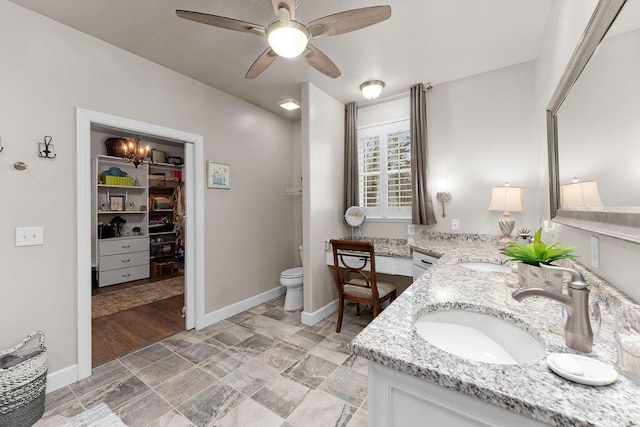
(577, 331)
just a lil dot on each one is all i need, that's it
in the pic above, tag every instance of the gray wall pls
(48, 70)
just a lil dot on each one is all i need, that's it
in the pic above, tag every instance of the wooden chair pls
(354, 256)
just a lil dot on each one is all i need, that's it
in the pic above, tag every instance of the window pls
(384, 169)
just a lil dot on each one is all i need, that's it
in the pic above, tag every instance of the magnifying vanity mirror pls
(593, 127)
(354, 216)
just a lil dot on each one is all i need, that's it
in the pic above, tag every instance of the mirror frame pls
(624, 226)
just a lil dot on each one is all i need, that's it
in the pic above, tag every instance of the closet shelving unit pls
(121, 258)
(162, 243)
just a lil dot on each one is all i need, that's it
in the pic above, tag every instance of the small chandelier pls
(134, 152)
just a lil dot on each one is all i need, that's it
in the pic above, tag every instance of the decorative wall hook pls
(46, 149)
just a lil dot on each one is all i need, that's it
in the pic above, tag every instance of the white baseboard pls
(240, 306)
(58, 379)
(311, 319)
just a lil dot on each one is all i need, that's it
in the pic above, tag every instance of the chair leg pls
(340, 310)
(376, 309)
(358, 309)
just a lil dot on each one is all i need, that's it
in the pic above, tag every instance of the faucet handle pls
(577, 279)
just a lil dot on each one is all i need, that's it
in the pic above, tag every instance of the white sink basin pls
(485, 266)
(479, 337)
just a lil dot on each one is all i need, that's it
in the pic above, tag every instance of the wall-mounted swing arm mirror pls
(592, 130)
(354, 216)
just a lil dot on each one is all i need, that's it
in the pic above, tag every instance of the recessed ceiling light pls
(372, 88)
(289, 104)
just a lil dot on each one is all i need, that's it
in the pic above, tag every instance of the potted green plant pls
(530, 256)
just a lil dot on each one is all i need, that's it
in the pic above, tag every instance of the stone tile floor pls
(261, 367)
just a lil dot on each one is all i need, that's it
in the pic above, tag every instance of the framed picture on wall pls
(116, 203)
(218, 175)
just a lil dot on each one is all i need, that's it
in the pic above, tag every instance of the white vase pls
(531, 276)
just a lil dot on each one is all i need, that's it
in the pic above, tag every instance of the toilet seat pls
(293, 273)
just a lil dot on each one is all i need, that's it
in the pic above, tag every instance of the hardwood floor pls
(125, 331)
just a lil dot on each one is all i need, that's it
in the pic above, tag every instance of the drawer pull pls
(126, 260)
(126, 275)
(126, 246)
(425, 262)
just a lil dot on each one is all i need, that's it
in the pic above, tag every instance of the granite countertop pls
(529, 389)
(397, 248)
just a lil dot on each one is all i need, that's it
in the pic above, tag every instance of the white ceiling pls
(423, 41)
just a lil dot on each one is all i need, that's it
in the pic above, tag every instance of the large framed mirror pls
(593, 127)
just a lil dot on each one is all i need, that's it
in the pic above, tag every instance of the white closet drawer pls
(120, 246)
(122, 275)
(113, 262)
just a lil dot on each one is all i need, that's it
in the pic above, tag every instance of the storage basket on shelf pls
(123, 181)
(23, 379)
(115, 146)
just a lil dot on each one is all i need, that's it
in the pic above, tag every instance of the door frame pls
(194, 247)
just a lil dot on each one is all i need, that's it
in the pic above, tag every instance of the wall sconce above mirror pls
(591, 127)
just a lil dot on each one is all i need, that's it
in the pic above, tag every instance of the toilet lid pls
(293, 272)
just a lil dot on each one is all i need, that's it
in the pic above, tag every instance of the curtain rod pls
(426, 86)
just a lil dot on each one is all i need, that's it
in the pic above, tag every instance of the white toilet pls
(292, 279)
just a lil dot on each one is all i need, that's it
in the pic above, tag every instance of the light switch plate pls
(29, 236)
(455, 224)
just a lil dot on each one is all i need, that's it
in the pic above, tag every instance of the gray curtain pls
(422, 209)
(351, 197)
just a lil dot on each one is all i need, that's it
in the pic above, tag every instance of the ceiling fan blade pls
(321, 62)
(221, 22)
(350, 20)
(289, 4)
(264, 60)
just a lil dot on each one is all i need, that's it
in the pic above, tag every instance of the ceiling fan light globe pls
(372, 89)
(288, 39)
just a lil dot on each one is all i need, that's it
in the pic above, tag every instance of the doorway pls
(137, 250)
(194, 216)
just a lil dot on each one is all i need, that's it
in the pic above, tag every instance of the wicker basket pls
(23, 379)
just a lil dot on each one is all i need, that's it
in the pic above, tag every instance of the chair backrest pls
(354, 255)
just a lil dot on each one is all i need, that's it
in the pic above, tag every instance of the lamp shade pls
(287, 39)
(506, 198)
(580, 195)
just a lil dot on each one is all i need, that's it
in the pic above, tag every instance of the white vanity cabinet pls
(384, 264)
(396, 399)
(421, 262)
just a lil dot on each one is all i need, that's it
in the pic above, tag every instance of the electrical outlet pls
(29, 236)
(595, 252)
(411, 229)
(455, 224)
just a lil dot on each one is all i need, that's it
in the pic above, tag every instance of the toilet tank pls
(301, 252)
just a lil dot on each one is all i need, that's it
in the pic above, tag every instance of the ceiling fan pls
(290, 38)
